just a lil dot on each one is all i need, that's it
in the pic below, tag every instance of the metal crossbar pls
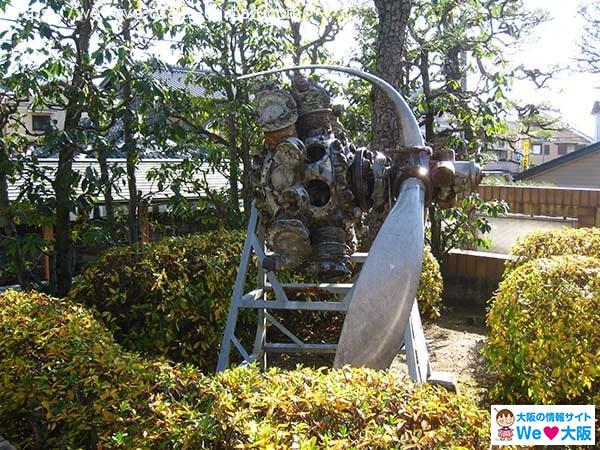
(417, 357)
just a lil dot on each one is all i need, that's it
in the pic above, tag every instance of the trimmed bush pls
(544, 341)
(64, 383)
(167, 298)
(171, 297)
(547, 243)
(349, 408)
(431, 286)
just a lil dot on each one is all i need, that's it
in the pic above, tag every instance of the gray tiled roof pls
(180, 78)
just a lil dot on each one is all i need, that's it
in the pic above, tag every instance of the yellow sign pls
(525, 151)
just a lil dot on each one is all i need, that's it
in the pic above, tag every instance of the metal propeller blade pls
(385, 290)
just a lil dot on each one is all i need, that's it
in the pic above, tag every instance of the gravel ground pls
(454, 342)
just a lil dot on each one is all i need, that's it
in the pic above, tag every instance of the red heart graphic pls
(551, 432)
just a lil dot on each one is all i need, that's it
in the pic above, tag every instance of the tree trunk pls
(453, 69)
(107, 190)
(244, 155)
(130, 145)
(7, 222)
(429, 112)
(105, 181)
(132, 207)
(234, 196)
(63, 183)
(393, 17)
(247, 188)
(435, 220)
(63, 243)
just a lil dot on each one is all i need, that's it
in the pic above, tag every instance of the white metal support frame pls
(417, 357)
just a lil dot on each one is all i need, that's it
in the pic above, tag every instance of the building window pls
(562, 149)
(40, 122)
(536, 149)
(546, 149)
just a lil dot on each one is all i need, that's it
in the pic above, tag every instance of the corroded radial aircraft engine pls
(313, 188)
(312, 185)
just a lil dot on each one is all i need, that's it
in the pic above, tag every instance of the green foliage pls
(64, 383)
(448, 42)
(230, 39)
(544, 342)
(87, 64)
(166, 298)
(171, 297)
(77, 57)
(464, 225)
(547, 243)
(349, 408)
(431, 286)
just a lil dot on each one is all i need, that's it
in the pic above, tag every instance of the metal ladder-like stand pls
(415, 346)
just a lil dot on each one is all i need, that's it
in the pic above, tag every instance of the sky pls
(554, 42)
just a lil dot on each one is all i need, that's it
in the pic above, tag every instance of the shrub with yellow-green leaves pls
(65, 383)
(341, 409)
(167, 298)
(171, 297)
(547, 243)
(544, 341)
(431, 286)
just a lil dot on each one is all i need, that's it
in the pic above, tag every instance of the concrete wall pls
(470, 277)
(583, 172)
(506, 230)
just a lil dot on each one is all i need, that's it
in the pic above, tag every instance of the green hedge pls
(431, 286)
(343, 409)
(544, 341)
(64, 383)
(171, 297)
(167, 298)
(547, 243)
